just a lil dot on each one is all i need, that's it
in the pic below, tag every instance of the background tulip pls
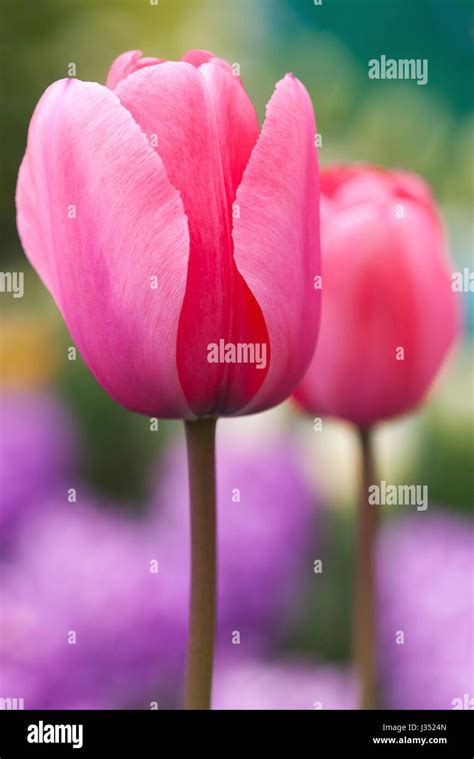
(389, 318)
(389, 315)
(162, 221)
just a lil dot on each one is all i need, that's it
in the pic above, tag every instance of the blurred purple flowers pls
(94, 604)
(37, 452)
(427, 601)
(266, 527)
(91, 616)
(292, 685)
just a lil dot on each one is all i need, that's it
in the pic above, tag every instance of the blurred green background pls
(427, 129)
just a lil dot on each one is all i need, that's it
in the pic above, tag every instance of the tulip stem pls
(200, 443)
(365, 635)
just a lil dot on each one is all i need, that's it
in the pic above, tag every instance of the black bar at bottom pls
(159, 733)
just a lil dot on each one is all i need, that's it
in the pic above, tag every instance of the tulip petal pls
(205, 128)
(197, 57)
(126, 64)
(99, 220)
(412, 187)
(276, 237)
(389, 314)
(349, 184)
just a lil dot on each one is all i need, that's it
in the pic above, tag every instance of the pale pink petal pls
(199, 57)
(204, 127)
(99, 219)
(276, 237)
(126, 64)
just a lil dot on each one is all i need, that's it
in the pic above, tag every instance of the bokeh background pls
(93, 535)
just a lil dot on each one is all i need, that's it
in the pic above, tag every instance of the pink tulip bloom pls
(164, 222)
(389, 314)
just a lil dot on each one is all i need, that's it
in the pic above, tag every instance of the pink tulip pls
(389, 315)
(162, 222)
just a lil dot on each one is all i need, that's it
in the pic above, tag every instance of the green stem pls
(200, 443)
(365, 631)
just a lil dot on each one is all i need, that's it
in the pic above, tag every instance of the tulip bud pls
(389, 314)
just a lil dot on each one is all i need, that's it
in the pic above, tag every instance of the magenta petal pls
(277, 237)
(204, 128)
